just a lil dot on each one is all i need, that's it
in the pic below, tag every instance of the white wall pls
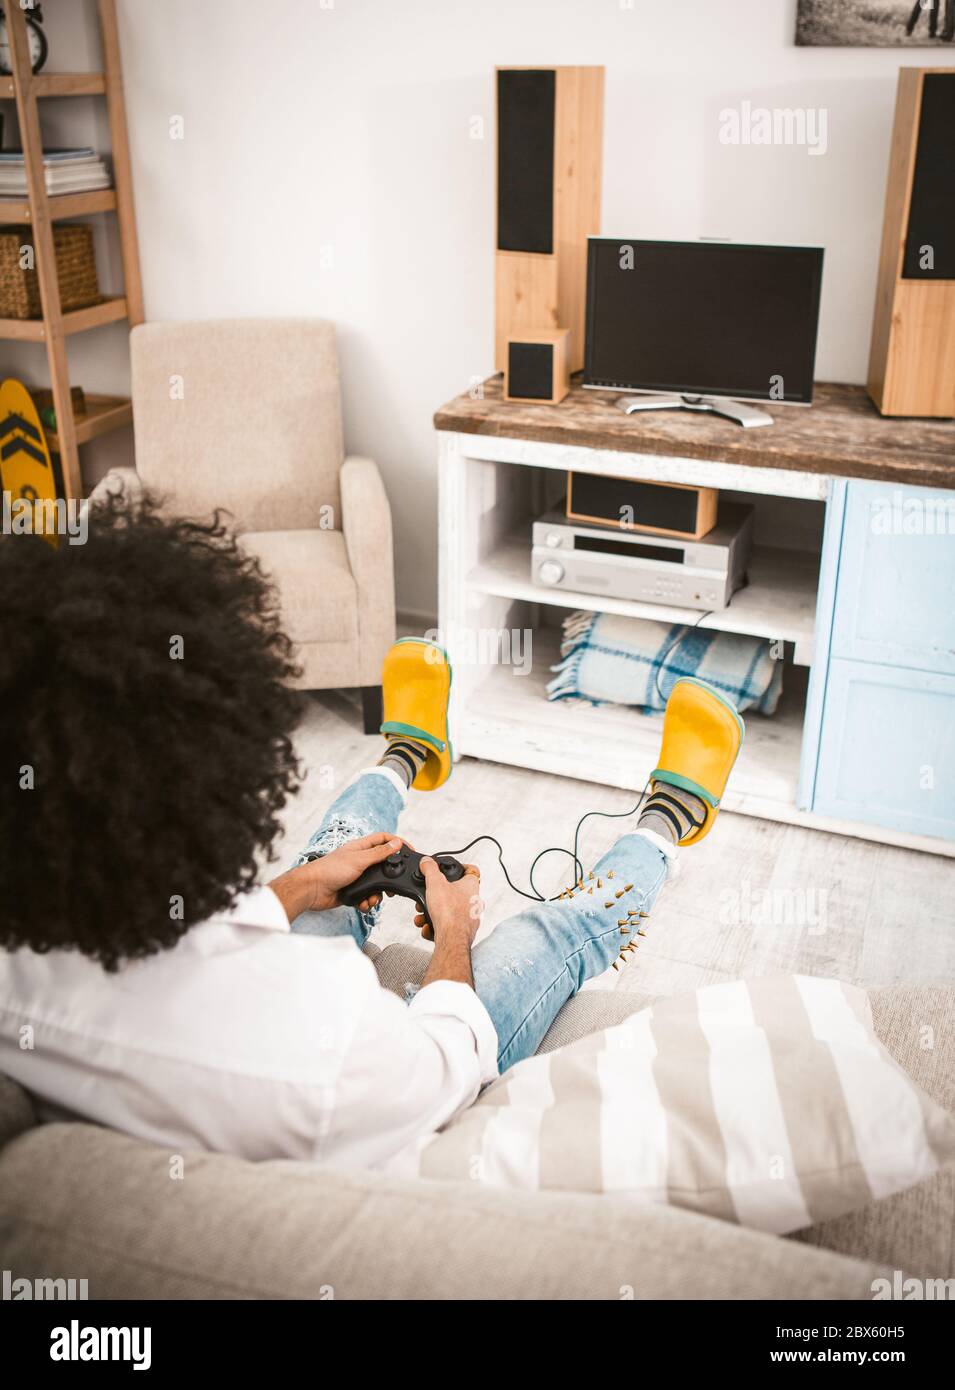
(346, 125)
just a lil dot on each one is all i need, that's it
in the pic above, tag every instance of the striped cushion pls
(768, 1102)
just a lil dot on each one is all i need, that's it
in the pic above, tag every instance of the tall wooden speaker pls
(549, 157)
(912, 360)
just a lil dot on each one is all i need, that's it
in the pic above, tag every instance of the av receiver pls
(622, 563)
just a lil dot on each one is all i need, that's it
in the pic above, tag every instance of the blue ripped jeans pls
(531, 964)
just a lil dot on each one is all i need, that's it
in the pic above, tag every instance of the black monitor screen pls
(703, 317)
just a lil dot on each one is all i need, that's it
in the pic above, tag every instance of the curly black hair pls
(147, 730)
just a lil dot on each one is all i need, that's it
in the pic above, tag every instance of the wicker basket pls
(75, 268)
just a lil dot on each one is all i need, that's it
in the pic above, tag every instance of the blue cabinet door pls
(887, 751)
(895, 603)
(821, 642)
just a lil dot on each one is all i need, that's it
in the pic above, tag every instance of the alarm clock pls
(39, 47)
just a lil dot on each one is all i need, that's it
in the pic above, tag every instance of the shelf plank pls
(59, 84)
(77, 321)
(109, 311)
(63, 205)
(22, 330)
(841, 435)
(103, 414)
(509, 719)
(779, 602)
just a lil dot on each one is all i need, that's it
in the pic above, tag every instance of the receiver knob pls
(550, 572)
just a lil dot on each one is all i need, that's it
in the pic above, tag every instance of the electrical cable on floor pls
(534, 895)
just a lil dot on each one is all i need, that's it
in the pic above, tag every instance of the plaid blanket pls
(613, 660)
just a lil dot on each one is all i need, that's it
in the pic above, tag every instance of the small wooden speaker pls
(537, 366)
(912, 359)
(549, 157)
(666, 509)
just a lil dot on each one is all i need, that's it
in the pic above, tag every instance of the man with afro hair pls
(149, 981)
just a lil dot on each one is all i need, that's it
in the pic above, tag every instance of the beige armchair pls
(245, 414)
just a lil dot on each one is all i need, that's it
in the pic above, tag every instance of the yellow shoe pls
(702, 736)
(416, 683)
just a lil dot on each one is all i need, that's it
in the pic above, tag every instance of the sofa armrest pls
(366, 522)
(80, 1199)
(121, 481)
(16, 1110)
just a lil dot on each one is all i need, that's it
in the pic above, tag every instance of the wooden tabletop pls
(841, 433)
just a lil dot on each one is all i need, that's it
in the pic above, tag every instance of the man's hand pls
(453, 907)
(454, 910)
(314, 887)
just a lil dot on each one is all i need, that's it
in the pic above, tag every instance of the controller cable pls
(534, 895)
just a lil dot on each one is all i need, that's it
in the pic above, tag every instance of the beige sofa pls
(77, 1202)
(245, 415)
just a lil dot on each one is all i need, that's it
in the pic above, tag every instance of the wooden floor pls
(754, 898)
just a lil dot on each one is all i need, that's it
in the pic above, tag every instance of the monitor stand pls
(746, 415)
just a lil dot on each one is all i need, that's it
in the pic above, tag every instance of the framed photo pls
(876, 23)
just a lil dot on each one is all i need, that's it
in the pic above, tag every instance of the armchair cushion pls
(366, 520)
(243, 414)
(314, 580)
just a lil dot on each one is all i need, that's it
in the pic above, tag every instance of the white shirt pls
(246, 1039)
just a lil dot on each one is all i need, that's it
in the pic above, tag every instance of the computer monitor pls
(713, 319)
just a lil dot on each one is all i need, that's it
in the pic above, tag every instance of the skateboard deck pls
(26, 466)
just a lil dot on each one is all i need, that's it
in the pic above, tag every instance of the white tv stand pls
(501, 465)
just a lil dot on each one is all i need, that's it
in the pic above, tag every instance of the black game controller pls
(400, 874)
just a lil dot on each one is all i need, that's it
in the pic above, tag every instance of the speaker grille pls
(653, 504)
(530, 370)
(932, 208)
(525, 160)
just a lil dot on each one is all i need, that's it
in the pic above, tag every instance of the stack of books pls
(67, 171)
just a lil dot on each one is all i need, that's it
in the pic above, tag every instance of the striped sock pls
(671, 812)
(404, 756)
